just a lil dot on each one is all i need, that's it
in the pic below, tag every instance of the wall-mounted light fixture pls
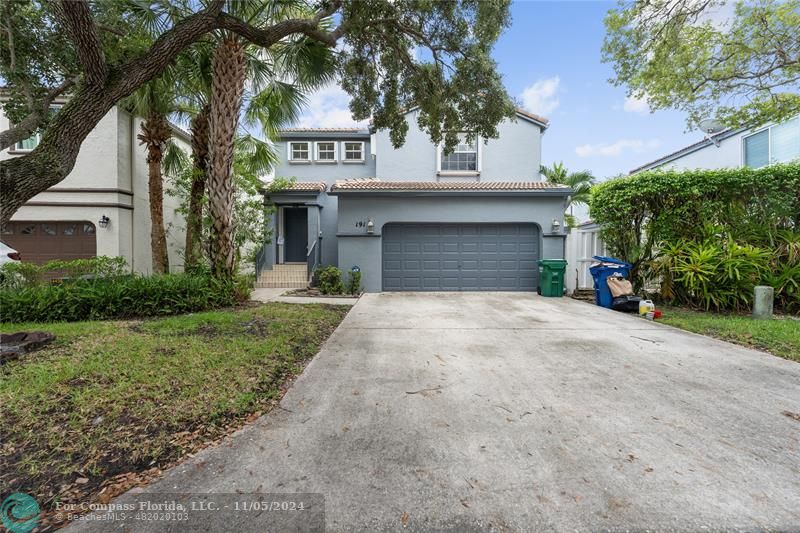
(556, 225)
(370, 226)
(103, 222)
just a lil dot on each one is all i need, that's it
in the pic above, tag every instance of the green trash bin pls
(551, 277)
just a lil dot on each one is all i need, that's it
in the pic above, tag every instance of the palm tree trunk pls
(228, 77)
(155, 134)
(194, 218)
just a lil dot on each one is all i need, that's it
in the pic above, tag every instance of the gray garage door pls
(460, 257)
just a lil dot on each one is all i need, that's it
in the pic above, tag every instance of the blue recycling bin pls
(605, 267)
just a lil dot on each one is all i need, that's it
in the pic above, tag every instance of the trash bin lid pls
(613, 260)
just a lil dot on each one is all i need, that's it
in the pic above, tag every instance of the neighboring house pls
(757, 147)
(102, 207)
(413, 218)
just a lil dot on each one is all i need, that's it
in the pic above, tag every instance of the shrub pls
(121, 297)
(639, 214)
(18, 275)
(354, 282)
(329, 280)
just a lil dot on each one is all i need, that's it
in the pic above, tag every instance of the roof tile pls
(302, 186)
(372, 184)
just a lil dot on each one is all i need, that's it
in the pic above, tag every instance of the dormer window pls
(464, 159)
(326, 152)
(299, 152)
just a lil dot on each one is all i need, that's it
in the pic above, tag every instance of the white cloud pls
(542, 96)
(636, 105)
(616, 149)
(328, 108)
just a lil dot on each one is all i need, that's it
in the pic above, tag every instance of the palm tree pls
(154, 101)
(269, 104)
(304, 62)
(580, 182)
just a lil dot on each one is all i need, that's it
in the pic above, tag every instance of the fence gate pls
(582, 243)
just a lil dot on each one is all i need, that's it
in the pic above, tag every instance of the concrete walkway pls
(512, 412)
(278, 295)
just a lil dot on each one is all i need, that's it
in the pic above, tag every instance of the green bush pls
(354, 282)
(329, 280)
(120, 297)
(642, 213)
(18, 275)
(707, 236)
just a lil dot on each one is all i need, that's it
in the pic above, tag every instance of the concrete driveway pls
(512, 412)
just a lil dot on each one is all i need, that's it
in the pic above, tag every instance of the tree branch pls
(27, 126)
(79, 21)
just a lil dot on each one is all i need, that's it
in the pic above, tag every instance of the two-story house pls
(415, 218)
(734, 148)
(102, 207)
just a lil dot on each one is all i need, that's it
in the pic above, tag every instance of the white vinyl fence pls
(582, 243)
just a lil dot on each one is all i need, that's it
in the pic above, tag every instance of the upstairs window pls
(326, 152)
(776, 144)
(33, 141)
(464, 157)
(353, 151)
(299, 152)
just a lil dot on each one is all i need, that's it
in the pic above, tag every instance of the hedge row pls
(120, 297)
(692, 229)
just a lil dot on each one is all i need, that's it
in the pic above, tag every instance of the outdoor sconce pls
(556, 225)
(370, 226)
(103, 222)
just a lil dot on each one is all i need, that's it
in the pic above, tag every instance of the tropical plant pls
(154, 101)
(580, 182)
(720, 274)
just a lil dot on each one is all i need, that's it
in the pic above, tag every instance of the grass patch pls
(779, 336)
(115, 398)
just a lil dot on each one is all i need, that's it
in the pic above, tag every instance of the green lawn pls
(780, 336)
(116, 397)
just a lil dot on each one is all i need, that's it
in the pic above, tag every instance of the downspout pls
(131, 172)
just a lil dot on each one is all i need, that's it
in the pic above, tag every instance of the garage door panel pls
(43, 241)
(460, 257)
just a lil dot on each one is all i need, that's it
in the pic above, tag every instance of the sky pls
(550, 62)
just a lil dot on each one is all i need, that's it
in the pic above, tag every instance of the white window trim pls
(768, 129)
(309, 146)
(13, 148)
(326, 161)
(479, 166)
(353, 161)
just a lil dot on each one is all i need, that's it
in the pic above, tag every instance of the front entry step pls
(285, 276)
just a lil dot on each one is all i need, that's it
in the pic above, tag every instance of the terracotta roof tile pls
(371, 184)
(331, 130)
(302, 186)
(533, 116)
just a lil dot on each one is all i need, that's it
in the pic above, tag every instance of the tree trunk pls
(228, 77)
(155, 134)
(194, 218)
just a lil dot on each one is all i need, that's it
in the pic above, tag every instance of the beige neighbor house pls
(102, 207)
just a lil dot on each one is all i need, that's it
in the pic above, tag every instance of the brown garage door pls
(40, 242)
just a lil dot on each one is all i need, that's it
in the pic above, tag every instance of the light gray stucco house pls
(414, 218)
(103, 206)
(733, 148)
